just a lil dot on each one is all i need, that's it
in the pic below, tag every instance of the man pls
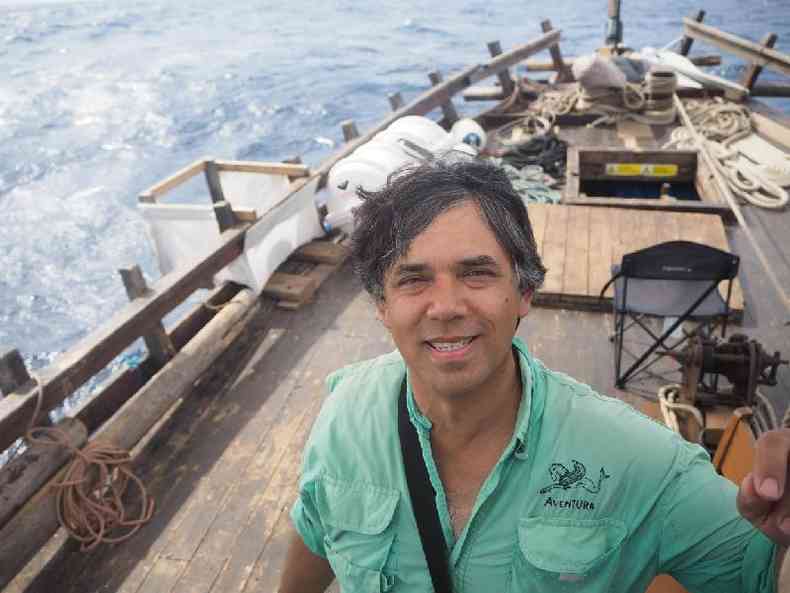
(540, 483)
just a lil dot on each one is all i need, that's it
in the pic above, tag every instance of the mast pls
(614, 27)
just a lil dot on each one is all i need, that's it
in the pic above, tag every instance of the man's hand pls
(764, 495)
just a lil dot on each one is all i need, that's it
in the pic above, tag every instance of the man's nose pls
(446, 300)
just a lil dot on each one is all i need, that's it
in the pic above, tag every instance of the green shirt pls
(589, 495)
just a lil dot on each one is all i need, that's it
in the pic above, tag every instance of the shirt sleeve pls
(306, 520)
(705, 544)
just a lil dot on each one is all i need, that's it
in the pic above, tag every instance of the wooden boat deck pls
(224, 468)
(579, 245)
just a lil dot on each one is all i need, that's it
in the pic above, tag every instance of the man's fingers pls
(750, 504)
(770, 464)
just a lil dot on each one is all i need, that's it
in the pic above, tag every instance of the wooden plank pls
(226, 219)
(289, 169)
(750, 76)
(771, 130)
(24, 475)
(592, 162)
(577, 251)
(650, 204)
(174, 180)
(507, 86)
(600, 255)
(770, 89)
(538, 215)
(572, 174)
(163, 576)
(13, 371)
(211, 173)
(292, 287)
(554, 244)
(748, 50)
(544, 66)
(96, 351)
(484, 93)
(685, 43)
(563, 72)
(448, 109)
(321, 252)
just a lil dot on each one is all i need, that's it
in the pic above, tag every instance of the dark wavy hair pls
(388, 220)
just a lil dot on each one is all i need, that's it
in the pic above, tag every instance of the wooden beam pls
(448, 109)
(396, 101)
(685, 43)
(505, 80)
(156, 340)
(437, 95)
(226, 219)
(295, 160)
(211, 173)
(770, 89)
(22, 477)
(484, 93)
(176, 179)
(754, 70)
(96, 351)
(544, 66)
(290, 169)
(13, 371)
(563, 73)
(350, 130)
(748, 50)
(771, 130)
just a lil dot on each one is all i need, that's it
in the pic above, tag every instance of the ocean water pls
(99, 100)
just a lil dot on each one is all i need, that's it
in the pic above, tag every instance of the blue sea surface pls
(100, 100)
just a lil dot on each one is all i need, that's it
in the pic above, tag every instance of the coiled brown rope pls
(89, 499)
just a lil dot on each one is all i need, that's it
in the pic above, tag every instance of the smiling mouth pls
(450, 346)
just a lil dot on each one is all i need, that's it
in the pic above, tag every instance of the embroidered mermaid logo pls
(565, 478)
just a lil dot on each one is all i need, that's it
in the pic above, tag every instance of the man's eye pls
(410, 280)
(478, 273)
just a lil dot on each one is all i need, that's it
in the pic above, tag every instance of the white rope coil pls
(721, 124)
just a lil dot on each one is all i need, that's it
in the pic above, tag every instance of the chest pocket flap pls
(573, 546)
(355, 506)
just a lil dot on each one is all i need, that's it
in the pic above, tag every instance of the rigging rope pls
(721, 125)
(89, 500)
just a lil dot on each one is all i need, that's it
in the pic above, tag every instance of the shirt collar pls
(519, 441)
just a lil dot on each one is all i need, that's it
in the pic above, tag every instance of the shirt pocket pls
(556, 555)
(359, 534)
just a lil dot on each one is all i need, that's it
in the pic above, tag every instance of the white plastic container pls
(468, 131)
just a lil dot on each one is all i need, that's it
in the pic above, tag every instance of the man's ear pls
(525, 304)
(382, 312)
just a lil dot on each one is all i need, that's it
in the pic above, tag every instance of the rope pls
(721, 124)
(763, 414)
(89, 498)
(667, 401)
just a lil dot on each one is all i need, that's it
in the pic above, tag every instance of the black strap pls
(423, 500)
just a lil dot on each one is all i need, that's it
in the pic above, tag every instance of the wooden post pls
(505, 80)
(212, 179)
(294, 160)
(349, 130)
(750, 76)
(685, 43)
(13, 372)
(563, 73)
(396, 101)
(450, 114)
(157, 341)
(226, 219)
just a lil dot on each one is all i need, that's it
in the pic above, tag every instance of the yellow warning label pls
(641, 170)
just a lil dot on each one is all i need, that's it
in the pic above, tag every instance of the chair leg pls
(618, 345)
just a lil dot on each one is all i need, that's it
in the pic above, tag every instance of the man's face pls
(451, 304)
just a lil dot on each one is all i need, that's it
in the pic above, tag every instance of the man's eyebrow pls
(477, 261)
(402, 269)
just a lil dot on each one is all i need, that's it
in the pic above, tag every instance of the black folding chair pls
(676, 279)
